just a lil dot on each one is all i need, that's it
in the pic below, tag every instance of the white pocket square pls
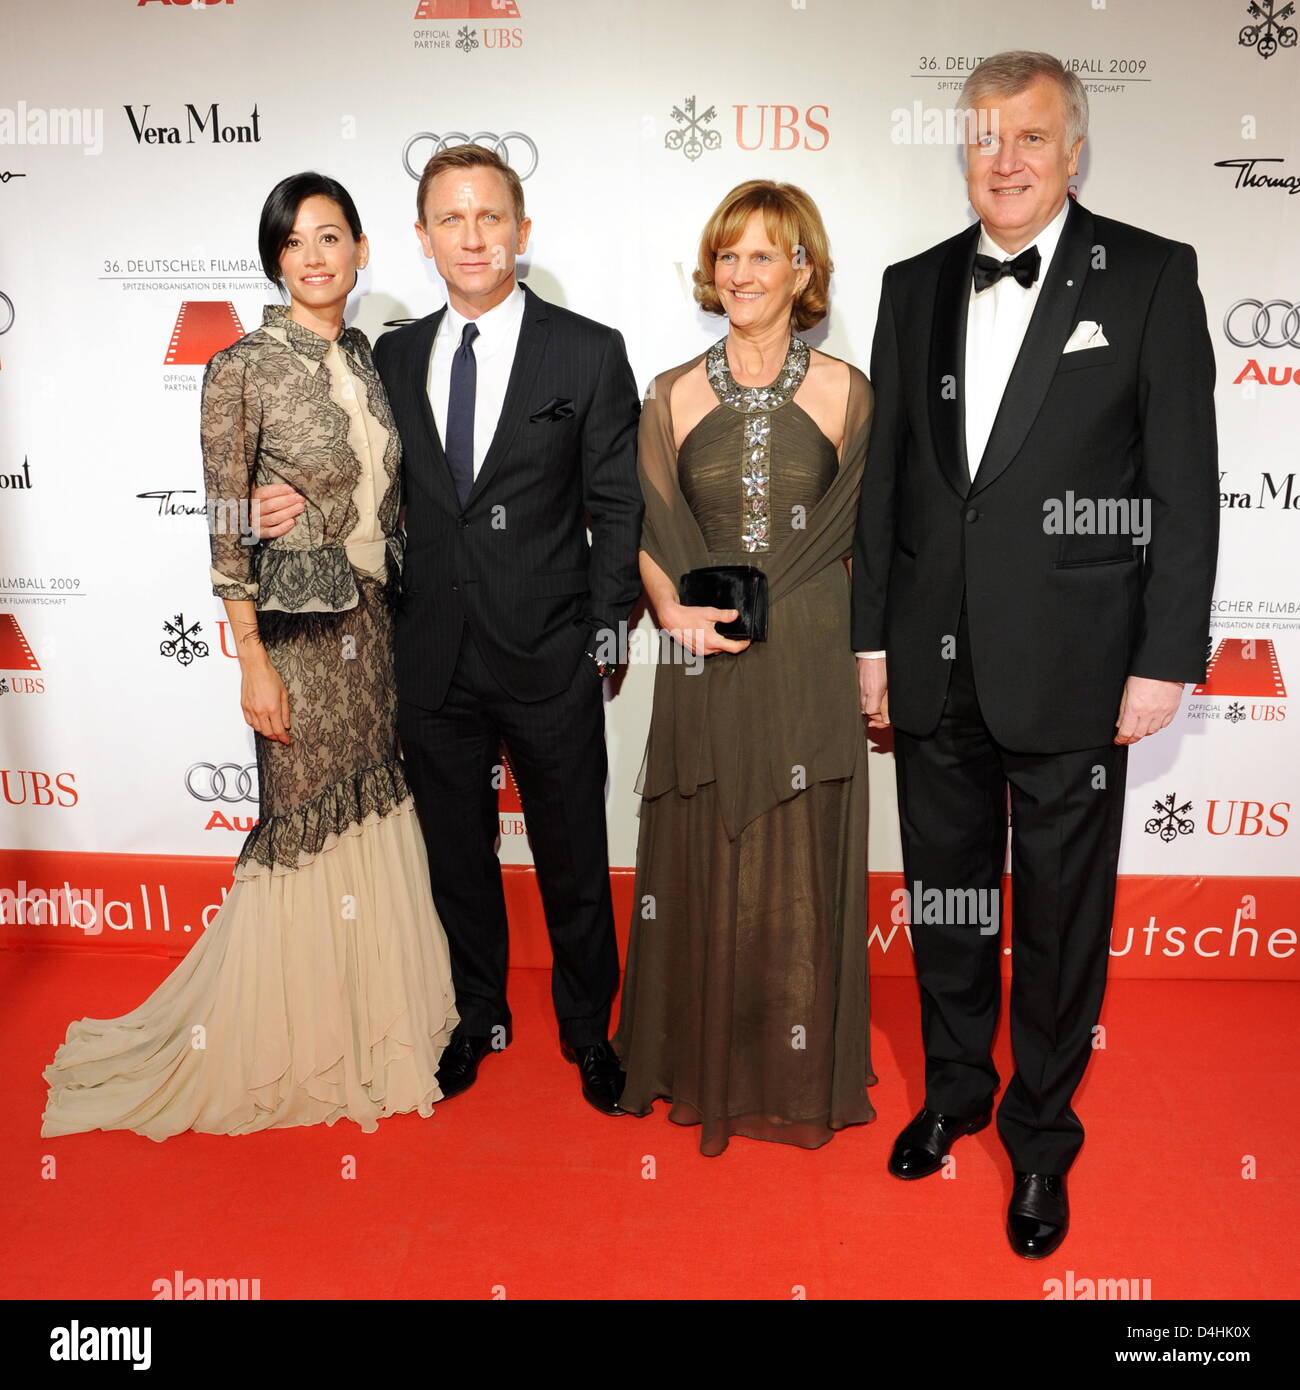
(1086, 335)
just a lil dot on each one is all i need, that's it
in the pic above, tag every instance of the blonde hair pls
(1008, 74)
(792, 221)
(470, 156)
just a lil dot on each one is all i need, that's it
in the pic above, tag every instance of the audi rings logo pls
(513, 145)
(6, 313)
(1274, 324)
(222, 782)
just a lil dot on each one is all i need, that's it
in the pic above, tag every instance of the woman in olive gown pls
(745, 997)
(322, 988)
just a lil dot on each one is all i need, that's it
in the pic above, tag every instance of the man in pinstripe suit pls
(518, 422)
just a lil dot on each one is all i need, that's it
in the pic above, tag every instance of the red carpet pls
(518, 1188)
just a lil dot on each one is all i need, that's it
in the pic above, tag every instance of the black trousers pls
(557, 750)
(1066, 813)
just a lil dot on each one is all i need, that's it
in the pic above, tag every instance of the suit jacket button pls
(455, 588)
(463, 522)
(972, 514)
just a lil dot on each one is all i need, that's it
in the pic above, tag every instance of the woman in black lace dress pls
(322, 989)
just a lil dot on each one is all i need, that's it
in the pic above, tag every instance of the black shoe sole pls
(473, 1077)
(459, 1090)
(569, 1055)
(613, 1114)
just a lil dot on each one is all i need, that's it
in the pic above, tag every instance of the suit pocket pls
(556, 409)
(557, 583)
(1130, 557)
(1087, 357)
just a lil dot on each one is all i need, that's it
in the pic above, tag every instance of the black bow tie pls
(1024, 268)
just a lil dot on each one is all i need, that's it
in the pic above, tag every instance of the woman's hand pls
(694, 628)
(265, 701)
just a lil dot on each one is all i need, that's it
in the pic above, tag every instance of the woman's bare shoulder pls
(834, 371)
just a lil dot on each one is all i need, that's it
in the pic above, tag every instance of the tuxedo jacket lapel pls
(1040, 353)
(946, 384)
(437, 476)
(529, 352)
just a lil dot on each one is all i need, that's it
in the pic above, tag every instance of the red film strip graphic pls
(467, 9)
(15, 651)
(203, 326)
(1244, 666)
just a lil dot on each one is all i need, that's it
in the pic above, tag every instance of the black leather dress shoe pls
(458, 1065)
(1039, 1214)
(602, 1076)
(922, 1147)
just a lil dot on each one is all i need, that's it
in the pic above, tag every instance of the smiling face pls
(757, 281)
(1018, 177)
(470, 233)
(320, 259)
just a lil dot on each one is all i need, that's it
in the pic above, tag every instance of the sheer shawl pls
(771, 720)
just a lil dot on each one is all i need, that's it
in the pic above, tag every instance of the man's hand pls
(873, 690)
(1146, 707)
(276, 506)
(694, 629)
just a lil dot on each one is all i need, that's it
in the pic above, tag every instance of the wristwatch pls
(606, 668)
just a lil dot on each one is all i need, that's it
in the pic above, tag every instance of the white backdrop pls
(118, 206)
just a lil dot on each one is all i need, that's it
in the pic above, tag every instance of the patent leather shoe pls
(1038, 1215)
(601, 1075)
(922, 1147)
(458, 1065)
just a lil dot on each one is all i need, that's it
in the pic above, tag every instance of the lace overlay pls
(306, 580)
(324, 980)
(274, 411)
(341, 767)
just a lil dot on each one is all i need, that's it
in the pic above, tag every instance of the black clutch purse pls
(742, 587)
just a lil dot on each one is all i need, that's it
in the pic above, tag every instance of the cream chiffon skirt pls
(315, 995)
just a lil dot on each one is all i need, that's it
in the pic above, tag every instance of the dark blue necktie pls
(460, 413)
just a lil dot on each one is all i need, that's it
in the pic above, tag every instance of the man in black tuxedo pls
(518, 422)
(1033, 568)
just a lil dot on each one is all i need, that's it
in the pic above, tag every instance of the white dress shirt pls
(494, 356)
(996, 320)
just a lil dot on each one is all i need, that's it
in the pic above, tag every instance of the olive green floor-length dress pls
(745, 999)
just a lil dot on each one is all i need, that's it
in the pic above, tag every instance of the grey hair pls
(1008, 74)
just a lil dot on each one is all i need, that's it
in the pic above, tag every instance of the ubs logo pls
(762, 127)
(1271, 32)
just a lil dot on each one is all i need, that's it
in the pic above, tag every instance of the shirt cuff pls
(870, 654)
